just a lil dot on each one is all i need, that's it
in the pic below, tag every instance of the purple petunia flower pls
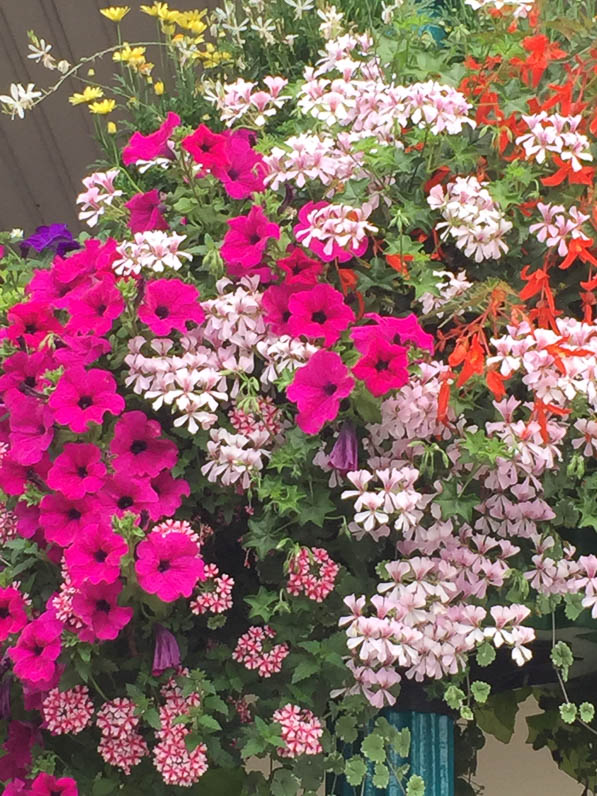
(56, 238)
(166, 654)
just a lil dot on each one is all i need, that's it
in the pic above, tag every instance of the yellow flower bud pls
(159, 88)
(111, 128)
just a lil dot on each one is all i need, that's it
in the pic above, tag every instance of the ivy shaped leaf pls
(373, 747)
(562, 658)
(480, 691)
(284, 783)
(355, 770)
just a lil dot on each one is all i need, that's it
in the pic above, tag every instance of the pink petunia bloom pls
(31, 427)
(97, 606)
(137, 447)
(299, 268)
(14, 476)
(275, 306)
(318, 388)
(124, 493)
(78, 470)
(169, 566)
(383, 367)
(27, 520)
(47, 785)
(16, 761)
(245, 242)
(45, 287)
(168, 304)
(35, 653)
(95, 309)
(32, 322)
(63, 520)
(207, 148)
(13, 617)
(16, 787)
(96, 257)
(78, 350)
(23, 371)
(154, 145)
(169, 491)
(319, 312)
(95, 556)
(84, 396)
(394, 330)
(146, 212)
(245, 170)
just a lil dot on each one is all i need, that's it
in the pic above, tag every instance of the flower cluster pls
(255, 651)
(313, 572)
(67, 712)
(301, 731)
(99, 195)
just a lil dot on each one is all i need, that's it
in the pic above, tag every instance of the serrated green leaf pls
(354, 770)
(587, 712)
(373, 747)
(485, 654)
(568, 712)
(284, 783)
(415, 786)
(381, 775)
(480, 691)
(346, 728)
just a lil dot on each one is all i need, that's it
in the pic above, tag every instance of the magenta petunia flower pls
(166, 654)
(23, 371)
(154, 145)
(84, 396)
(319, 312)
(96, 257)
(27, 520)
(123, 493)
(299, 268)
(383, 367)
(47, 785)
(31, 427)
(318, 388)
(95, 555)
(169, 565)
(16, 761)
(146, 212)
(394, 330)
(45, 287)
(95, 309)
(13, 616)
(170, 492)
(31, 321)
(78, 350)
(275, 305)
(63, 520)
(34, 655)
(97, 606)
(137, 446)
(78, 470)
(245, 170)
(208, 149)
(14, 476)
(168, 304)
(245, 242)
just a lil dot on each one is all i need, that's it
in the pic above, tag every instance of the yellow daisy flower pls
(156, 10)
(89, 94)
(133, 56)
(115, 13)
(103, 106)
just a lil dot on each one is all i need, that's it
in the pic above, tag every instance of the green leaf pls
(568, 712)
(354, 770)
(373, 747)
(498, 716)
(485, 654)
(284, 783)
(381, 776)
(480, 691)
(562, 658)
(305, 669)
(587, 712)
(152, 717)
(346, 728)
(466, 713)
(454, 697)
(209, 723)
(573, 606)
(415, 786)
(104, 787)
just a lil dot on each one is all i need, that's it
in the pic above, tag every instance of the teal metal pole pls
(431, 756)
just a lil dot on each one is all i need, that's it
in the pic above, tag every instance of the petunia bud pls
(166, 654)
(345, 455)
